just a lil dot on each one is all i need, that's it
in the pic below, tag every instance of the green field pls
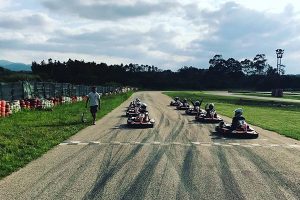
(283, 118)
(27, 135)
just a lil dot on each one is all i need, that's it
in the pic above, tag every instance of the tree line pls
(221, 74)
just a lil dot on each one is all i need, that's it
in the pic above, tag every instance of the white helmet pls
(238, 112)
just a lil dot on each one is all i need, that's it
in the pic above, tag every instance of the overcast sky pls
(167, 34)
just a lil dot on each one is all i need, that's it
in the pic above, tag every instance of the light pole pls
(279, 53)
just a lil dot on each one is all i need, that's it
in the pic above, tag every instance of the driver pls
(210, 108)
(185, 102)
(143, 112)
(238, 116)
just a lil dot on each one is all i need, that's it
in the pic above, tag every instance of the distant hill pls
(15, 66)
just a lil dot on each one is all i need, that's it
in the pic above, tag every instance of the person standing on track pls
(94, 98)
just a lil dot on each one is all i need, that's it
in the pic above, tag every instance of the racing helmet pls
(137, 100)
(197, 103)
(176, 98)
(211, 106)
(144, 106)
(184, 100)
(238, 112)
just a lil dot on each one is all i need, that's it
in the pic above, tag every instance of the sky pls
(169, 34)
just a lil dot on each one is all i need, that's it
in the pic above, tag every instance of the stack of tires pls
(15, 106)
(2, 108)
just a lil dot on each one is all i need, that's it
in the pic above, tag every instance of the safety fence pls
(44, 95)
(30, 90)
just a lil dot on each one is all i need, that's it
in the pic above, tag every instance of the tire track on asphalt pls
(70, 180)
(187, 172)
(231, 187)
(271, 174)
(66, 162)
(186, 178)
(108, 172)
(184, 171)
(61, 166)
(138, 189)
(54, 170)
(145, 175)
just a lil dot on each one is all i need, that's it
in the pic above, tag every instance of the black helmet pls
(144, 106)
(211, 106)
(184, 100)
(238, 112)
(176, 98)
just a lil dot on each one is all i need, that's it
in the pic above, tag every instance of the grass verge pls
(280, 117)
(27, 135)
(285, 96)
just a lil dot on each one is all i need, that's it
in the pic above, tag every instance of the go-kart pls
(132, 113)
(175, 103)
(211, 117)
(183, 106)
(242, 131)
(141, 121)
(194, 110)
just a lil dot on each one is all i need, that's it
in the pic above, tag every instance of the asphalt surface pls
(177, 159)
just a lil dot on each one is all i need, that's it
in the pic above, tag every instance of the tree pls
(247, 67)
(260, 64)
(217, 64)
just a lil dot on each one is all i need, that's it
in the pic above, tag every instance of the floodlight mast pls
(279, 53)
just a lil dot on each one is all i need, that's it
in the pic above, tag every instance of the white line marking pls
(176, 143)
(226, 145)
(216, 143)
(83, 143)
(74, 142)
(156, 143)
(94, 142)
(246, 145)
(235, 144)
(115, 143)
(274, 145)
(294, 145)
(207, 144)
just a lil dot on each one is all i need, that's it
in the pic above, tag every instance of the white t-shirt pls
(94, 97)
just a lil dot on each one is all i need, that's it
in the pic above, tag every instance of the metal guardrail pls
(28, 90)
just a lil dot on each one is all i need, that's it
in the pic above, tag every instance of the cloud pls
(239, 32)
(169, 35)
(107, 10)
(20, 21)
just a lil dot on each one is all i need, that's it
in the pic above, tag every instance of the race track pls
(177, 159)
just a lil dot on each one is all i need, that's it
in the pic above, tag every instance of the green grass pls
(281, 117)
(27, 135)
(285, 96)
